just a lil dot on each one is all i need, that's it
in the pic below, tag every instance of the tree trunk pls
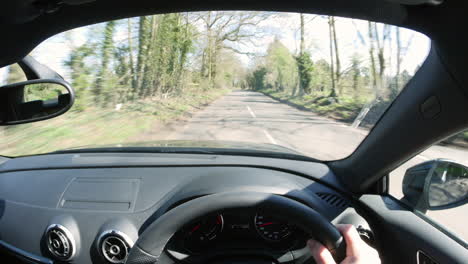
(299, 89)
(302, 46)
(355, 64)
(101, 91)
(149, 69)
(142, 51)
(398, 59)
(380, 57)
(332, 67)
(214, 64)
(130, 57)
(372, 59)
(337, 55)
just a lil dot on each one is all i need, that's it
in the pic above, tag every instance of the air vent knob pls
(60, 242)
(114, 246)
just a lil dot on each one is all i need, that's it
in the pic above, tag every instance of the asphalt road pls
(253, 117)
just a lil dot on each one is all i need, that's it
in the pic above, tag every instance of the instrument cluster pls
(237, 230)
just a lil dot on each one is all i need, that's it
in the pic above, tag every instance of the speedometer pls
(272, 229)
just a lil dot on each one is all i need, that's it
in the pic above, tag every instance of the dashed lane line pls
(270, 138)
(251, 112)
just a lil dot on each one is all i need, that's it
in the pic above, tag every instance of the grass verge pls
(95, 126)
(346, 110)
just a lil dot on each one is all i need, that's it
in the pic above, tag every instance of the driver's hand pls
(357, 251)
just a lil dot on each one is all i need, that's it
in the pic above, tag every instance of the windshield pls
(310, 84)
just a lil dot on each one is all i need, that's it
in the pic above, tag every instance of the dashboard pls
(92, 208)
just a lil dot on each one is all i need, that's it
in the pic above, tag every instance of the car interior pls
(212, 207)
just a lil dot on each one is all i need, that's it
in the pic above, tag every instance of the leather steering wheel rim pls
(149, 248)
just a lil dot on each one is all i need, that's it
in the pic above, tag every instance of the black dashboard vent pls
(333, 199)
(60, 242)
(114, 246)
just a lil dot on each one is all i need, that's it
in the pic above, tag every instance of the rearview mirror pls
(436, 185)
(34, 100)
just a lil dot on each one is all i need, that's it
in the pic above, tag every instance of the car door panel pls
(402, 235)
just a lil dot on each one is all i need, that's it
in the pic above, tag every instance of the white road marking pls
(422, 157)
(272, 140)
(251, 112)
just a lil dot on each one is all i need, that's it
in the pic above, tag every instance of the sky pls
(284, 26)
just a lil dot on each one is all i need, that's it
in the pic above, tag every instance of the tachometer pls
(272, 229)
(203, 231)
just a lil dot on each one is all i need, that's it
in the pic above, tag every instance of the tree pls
(144, 32)
(80, 74)
(375, 80)
(133, 76)
(356, 73)
(337, 54)
(304, 63)
(123, 71)
(102, 94)
(321, 79)
(400, 53)
(305, 69)
(256, 80)
(226, 30)
(377, 38)
(281, 67)
(231, 71)
(170, 42)
(333, 92)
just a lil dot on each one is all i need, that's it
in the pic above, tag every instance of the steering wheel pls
(150, 246)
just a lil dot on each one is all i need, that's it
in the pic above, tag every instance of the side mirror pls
(436, 185)
(34, 100)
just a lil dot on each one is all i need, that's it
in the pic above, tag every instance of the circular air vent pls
(114, 246)
(60, 242)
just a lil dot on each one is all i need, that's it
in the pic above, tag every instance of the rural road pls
(253, 117)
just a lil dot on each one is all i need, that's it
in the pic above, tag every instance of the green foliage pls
(163, 46)
(80, 74)
(42, 91)
(256, 80)
(144, 38)
(344, 110)
(321, 77)
(105, 81)
(230, 71)
(281, 68)
(169, 40)
(305, 70)
(278, 71)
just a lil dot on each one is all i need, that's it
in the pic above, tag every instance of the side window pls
(436, 184)
(11, 74)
